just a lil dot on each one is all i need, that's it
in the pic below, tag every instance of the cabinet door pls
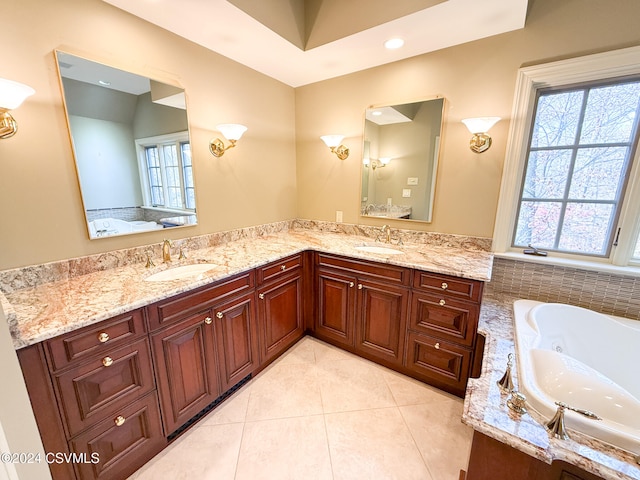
(118, 446)
(381, 324)
(442, 364)
(336, 307)
(279, 316)
(186, 368)
(237, 340)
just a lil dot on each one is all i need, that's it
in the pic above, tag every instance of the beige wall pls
(476, 79)
(41, 211)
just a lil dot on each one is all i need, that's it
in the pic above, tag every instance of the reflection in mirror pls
(400, 160)
(132, 150)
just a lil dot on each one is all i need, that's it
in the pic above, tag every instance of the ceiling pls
(304, 41)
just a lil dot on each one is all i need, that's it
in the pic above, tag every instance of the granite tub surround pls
(485, 406)
(44, 301)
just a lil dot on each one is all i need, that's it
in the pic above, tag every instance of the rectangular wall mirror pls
(400, 160)
(132, 150)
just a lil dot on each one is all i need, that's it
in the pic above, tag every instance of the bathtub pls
(104, 227)
(585, 359)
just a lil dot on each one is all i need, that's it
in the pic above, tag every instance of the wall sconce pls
(333, 142)
(12, 94)
(480, 141)
(380, 163)
(232, 132)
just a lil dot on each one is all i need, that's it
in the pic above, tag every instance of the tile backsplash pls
(602, 292)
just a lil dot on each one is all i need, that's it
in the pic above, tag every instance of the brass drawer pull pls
(283, 267)
(437, 346)
(442, 303)
(107, 361)
(219, 315)
(208, 320)
(261, 296)
(351, 284)
(103, 337)
(445, 285)
(119, 420)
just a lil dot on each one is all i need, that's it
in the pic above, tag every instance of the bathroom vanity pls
(125, 386)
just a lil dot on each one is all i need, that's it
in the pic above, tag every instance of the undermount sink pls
(378, 249)
(179, 273)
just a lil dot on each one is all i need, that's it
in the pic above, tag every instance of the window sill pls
(169, 210)
(630, 271)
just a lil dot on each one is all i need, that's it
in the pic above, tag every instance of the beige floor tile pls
(285, 449)
(373, 445)
(233, 410)
(352, 384)
(444, 441)
(285, 390)
(409, 391)
(301, 352)
(326, 353)
(202, 453)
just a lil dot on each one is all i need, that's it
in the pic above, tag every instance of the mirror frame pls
(437, 154)
(190, 218)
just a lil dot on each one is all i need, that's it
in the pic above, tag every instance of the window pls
(571, 180)
(579, 156)
(167, 172)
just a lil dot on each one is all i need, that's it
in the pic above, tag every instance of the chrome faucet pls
(166, 250)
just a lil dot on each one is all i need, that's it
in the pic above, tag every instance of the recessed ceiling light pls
(103, 83)
(394, 43)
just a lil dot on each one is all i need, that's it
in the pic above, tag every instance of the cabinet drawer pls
(363, 268)
(94, 339)
(98, 388)
(123, 442)
(181, 306)
(441, 363)
(443, 317)
(279, 268)
(454, 286)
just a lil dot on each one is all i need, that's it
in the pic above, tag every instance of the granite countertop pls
(55, 307)
(485, 407)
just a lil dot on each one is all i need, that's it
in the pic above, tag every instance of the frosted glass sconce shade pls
(12, 94)
(479, 126)
(333, 142)
(232, 132)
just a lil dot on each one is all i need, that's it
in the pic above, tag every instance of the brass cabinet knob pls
(442, 302)
(107, 361)
(283, 267)
(437, 346)
(261, 296)
(208, 320)
(445, 285)
(359, 286)
(103, 337)
(119, 420)
(351, 284)
(219, 315)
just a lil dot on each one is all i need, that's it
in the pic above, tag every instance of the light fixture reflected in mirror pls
(12, 94)
(232, 132)
(479, 126)
(379, 163)
(333, 142)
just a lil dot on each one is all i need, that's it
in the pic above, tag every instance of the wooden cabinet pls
(93, 392)
(442, 334)
(336, 302)
(280, 307)
(236, 339)
(362, 306)
(186, 368)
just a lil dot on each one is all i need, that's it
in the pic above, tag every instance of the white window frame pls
(591, 68)
(141, 144)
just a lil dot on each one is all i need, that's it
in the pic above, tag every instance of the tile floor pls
(319, 412)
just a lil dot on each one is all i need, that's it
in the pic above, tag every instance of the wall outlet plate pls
(412, 181)
(406, 192)
(338, 216)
